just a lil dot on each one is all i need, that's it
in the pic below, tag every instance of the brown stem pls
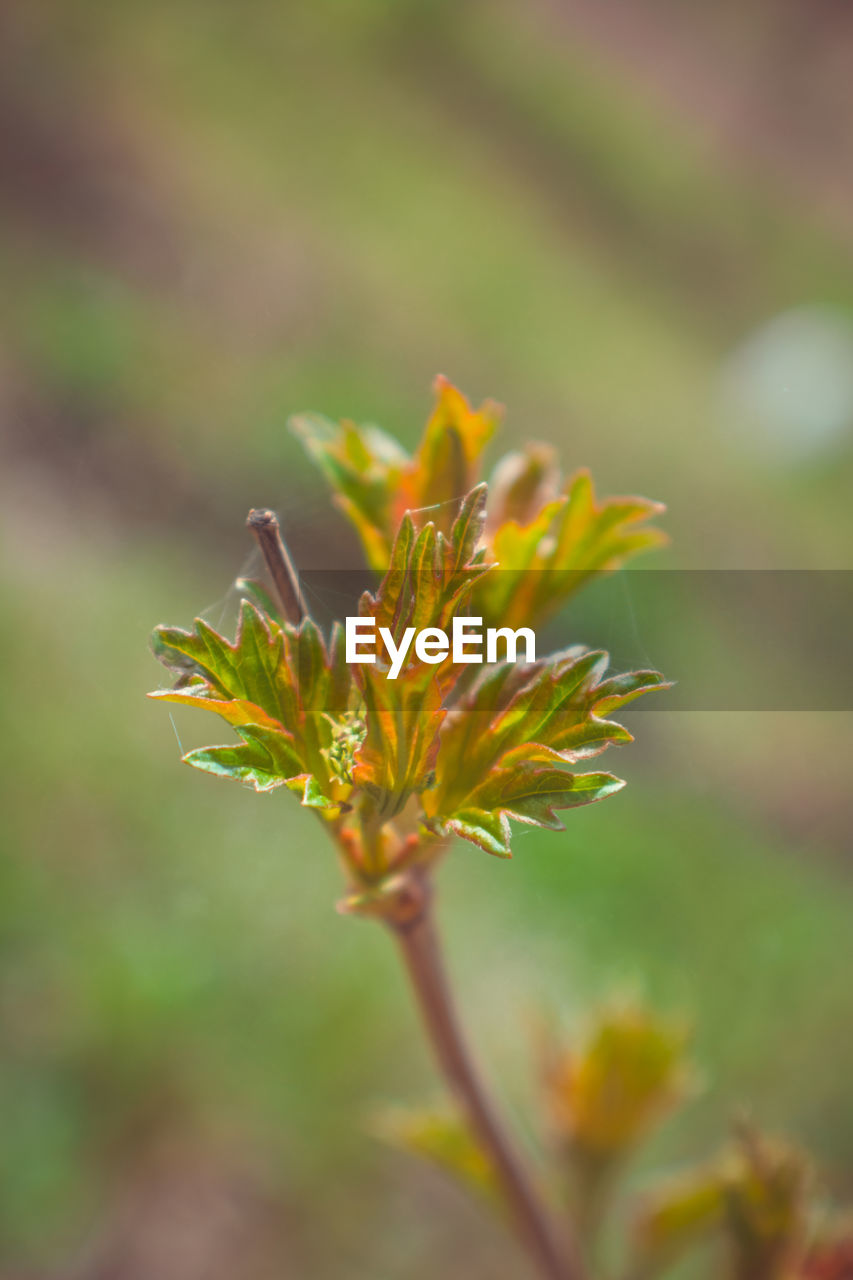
(414, 928)
(264, 526)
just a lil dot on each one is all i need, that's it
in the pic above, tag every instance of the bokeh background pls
(632, 225)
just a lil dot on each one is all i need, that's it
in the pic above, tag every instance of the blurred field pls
(214, 216)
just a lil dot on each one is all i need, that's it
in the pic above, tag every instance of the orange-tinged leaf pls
(531, 794)
(547, 538)
(546, 559)
(523, 484)
(438, 748)
(503, 745)
(235, 711)
(278, 682)
(446, 465)
(397, 755)
(245, 670)
(364, 466)
(427, 582)
(429, 579)
(264, 760)
(376, 481)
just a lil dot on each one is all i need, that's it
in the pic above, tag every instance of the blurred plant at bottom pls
(754, 1206)
(604, 1096)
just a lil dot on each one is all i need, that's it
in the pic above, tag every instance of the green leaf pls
(549, 556)
(257, 594)
(488, 830)
(430, 576)
(364, 466)
(547, 540)
(523, 483)
(356, 743)
(468, 527)
(503, 748)
(277, 680)
(526, 794)
(264, 760)
(446, 465)
(234, 711)
(307, 787)
(428, 580)
(532, 794)
(397, 754)
(245, 670)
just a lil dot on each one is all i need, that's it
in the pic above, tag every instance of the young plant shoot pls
(431, 714)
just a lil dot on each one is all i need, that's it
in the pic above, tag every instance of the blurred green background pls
(634, 229)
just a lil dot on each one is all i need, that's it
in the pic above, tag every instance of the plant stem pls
(264, 526)
(413, 925)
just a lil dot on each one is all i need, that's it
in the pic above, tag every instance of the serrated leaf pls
(264, 760)
(397, 754)
(245, 670)
(234, 711)
(427, 582)
(523, 483)
(311, 794)
(501, 752)
(364, 466)
(550, 556)
(277, 680)
(429, 577)
(468, 528)
(548, 542)
(375, 481)
(502, 749)
(257, 594)
(531, 794)
(488, 830)
(446, 463)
